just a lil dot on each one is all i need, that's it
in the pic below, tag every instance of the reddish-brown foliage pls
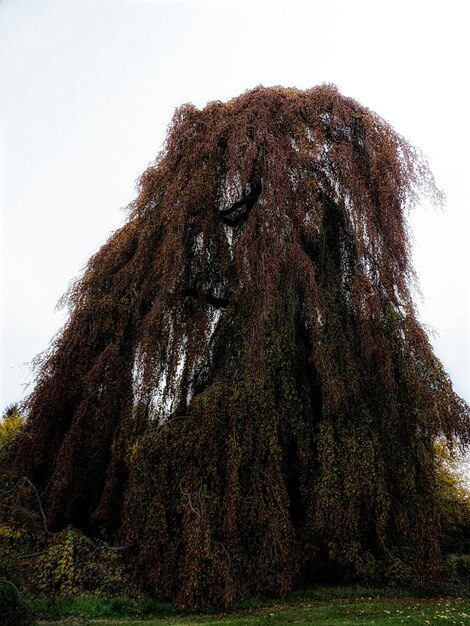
(242, 391)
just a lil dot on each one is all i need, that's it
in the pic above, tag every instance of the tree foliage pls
(242, 393)
(10, 425)
(454, 500)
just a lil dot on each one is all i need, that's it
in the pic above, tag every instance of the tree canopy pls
(242, 394)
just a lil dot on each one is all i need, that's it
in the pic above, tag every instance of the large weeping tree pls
(242, 394)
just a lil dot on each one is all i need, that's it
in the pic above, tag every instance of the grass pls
(95, 607)
(333, 606)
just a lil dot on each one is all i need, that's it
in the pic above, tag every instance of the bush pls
(71, 564)
(13, 609)
(458, 569)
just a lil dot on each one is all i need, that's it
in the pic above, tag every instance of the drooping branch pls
(238, 212)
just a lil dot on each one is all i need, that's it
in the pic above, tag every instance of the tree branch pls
(215, 301)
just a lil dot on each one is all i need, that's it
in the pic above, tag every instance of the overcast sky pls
(88, 88)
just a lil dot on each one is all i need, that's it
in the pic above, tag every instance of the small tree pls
(10, 425)
(243, 372)
(454, 500)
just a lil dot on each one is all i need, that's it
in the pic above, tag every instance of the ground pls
(311, 607)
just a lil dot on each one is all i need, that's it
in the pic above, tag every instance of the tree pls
(10, 425)
(454, 498)
(242, 393)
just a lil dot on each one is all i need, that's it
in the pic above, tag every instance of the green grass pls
(94, 607)
(319, 606)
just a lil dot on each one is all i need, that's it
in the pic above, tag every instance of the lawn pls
(317, 606)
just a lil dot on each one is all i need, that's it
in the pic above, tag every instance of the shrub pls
(458, 569)
(14, 610)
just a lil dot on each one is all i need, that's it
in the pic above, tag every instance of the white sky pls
(88, 87)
